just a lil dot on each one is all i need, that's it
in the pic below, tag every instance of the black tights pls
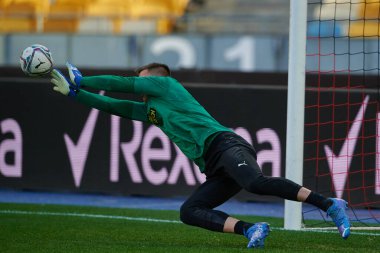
(236, 169)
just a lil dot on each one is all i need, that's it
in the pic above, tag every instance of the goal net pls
(342, 116)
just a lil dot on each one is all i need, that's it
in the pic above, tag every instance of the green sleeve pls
(123, 108)
(153, 86)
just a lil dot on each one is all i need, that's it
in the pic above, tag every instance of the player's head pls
(153, 69)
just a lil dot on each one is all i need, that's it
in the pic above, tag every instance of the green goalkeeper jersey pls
(169, 106)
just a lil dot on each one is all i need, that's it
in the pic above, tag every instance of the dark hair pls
(159, 69)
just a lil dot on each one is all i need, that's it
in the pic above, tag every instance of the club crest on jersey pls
(154, 117)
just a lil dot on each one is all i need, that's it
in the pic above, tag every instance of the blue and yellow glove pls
(75, 74)
(68, 87)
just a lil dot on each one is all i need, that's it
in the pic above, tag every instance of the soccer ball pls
(36, 60)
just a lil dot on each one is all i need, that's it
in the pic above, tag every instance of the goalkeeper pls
(228, 161)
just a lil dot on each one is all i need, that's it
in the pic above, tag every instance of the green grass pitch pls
(54, 228)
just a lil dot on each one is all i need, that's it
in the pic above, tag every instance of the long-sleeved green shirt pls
(169, 106)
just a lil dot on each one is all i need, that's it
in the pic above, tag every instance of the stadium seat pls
(120, 11)
(20, 24)
(64, 15)
(164, 11)
(98, 25)
(22, 15)
(368, 9)
(68, 7)
(61, 25)
(367, 24)
(365, 28)
(25, 6)
(109, 8)
(73, 15)
(140, 26)
(155, 8)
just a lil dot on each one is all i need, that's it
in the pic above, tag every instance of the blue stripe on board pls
(233, 207)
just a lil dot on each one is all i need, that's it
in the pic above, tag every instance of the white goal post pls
(296, 107)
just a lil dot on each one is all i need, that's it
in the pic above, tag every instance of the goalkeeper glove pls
(75, 74)
(63, 85)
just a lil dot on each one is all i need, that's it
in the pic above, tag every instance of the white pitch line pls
(87, 215)
(328, 231)
(117, 217)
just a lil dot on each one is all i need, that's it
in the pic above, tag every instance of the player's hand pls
(75, 74)
(62, 84)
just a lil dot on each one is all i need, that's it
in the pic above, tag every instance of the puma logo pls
(39, 64)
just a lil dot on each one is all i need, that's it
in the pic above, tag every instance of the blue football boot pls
(337, 213)
(256, 234)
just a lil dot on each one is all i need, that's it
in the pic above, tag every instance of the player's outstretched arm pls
(102, 82)
(132, 84)
(123, 108)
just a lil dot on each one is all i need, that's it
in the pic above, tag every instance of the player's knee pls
(257, 185)
(186, 213)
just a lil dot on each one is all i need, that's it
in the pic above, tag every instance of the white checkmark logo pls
(339, 165)
(78, 152)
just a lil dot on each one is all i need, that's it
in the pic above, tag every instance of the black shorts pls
(221, 143)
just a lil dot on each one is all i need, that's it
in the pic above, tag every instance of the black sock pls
(319, 201)
(241, 227)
